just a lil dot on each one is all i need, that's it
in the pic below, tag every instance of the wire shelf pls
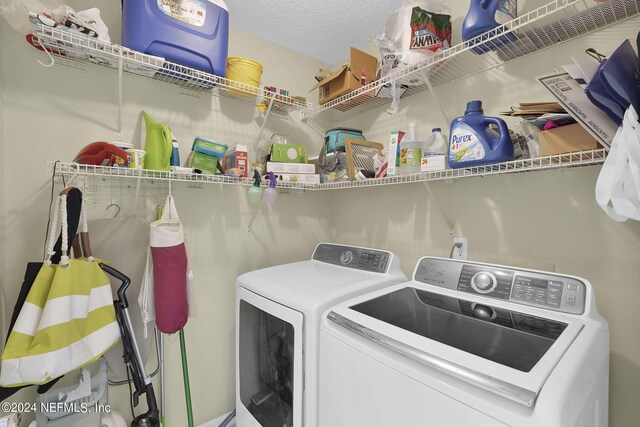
(78, 49)
(550, 25)
(108, 172)
(558, 161)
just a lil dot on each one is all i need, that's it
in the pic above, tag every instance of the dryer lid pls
(311, 287)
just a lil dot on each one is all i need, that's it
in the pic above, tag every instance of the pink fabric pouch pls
(169, 270)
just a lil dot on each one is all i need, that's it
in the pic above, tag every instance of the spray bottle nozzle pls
(272, 179)
(256, 178)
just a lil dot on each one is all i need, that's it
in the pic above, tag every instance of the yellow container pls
(247, 73)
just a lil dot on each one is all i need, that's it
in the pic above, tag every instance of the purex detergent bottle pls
(485, 15)
(473, 143)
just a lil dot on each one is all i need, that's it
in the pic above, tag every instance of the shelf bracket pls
(264, 123)
(440, 208)
(444, 114)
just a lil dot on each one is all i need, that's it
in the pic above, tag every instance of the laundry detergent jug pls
(158, 145)
(194, 33)
(473, 143)
(485, 15)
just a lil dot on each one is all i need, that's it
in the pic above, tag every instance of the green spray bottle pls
(158, 145)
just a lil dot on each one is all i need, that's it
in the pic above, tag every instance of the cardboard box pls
(394, 152)
(300, 178)
(571, 96)
(237, 156)
(295, 168)
(288, 153)
(565, 139)
(360, 69)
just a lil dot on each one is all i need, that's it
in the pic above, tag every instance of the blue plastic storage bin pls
(193, 33)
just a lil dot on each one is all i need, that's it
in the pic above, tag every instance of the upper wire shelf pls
(557, 161)
(80, 49)
(554, 23)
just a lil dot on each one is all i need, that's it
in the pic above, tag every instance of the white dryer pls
(278, 311)
(467, 344)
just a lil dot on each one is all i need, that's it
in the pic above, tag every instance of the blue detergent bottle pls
(485, 15)
(473, 143)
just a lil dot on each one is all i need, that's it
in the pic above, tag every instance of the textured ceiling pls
(321, 29)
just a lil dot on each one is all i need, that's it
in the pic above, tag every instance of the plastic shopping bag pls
(16, 13)
(618, 185)
(413, 33)
(169, 270)
(67, 320)
(146, 300)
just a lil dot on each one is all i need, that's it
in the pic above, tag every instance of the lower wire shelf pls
(557, 161)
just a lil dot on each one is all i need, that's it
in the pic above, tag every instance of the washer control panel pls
(353, 257)
(537, 289)
(540, 291)
(485, 280)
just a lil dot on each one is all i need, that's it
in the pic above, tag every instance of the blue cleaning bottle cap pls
(474, 107)
(436, 130)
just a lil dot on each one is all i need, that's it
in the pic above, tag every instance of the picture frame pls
(360, 155)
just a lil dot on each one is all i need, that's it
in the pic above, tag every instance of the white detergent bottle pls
(410, 151)
(434, 152)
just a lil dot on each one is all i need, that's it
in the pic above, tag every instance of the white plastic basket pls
(82, 412)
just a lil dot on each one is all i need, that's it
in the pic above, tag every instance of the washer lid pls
(510, 338)
(489, 344)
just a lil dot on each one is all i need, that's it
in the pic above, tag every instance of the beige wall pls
(545, 220)
(3, 315)
(51, 113)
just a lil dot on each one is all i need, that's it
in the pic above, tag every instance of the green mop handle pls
(185, 375)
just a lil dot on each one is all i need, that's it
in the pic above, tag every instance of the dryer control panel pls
(533, 288)
(353, 257)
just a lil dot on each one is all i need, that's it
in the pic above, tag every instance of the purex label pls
(464, 145)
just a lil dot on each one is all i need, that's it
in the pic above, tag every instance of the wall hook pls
(117, 206)
(52, 61)
(75, 174)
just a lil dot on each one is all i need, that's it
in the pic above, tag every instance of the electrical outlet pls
(460, 248)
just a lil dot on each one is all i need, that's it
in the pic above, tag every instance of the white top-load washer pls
(278, 311)
(467, 344)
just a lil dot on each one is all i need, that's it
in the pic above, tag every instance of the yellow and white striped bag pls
(68, 319)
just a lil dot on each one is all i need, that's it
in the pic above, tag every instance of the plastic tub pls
(205, 155)
(73, 414)
(245, 71)
(137, 158)
(194, 33)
